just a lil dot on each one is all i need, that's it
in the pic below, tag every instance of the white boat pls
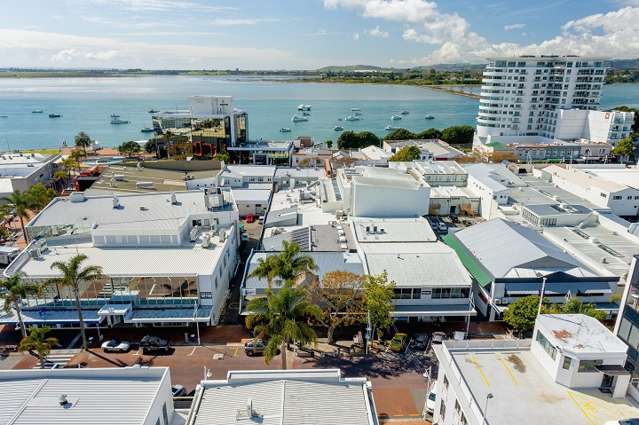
(352, 118)
(147, 130)
(429, 117)
(285, 130)
(306, 114)
(303, 107)
(118, 121)
(389, 128)
(338, 128)
(297, 118)
(358, 114)
(396, 117)
(37, 111)
(356, 110)
(404, 112)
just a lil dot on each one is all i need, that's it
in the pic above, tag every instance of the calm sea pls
(87, 103)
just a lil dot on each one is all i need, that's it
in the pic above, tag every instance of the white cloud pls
(609, 35)
(234, 22)
(377, 32)
(356, 36)
(20, 48)
(512, 27)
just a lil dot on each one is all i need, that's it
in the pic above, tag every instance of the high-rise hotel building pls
(522, 96)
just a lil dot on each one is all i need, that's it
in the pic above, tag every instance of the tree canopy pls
(83, 141)
(430, 133)
(458, 134)
(407, 153)
(378, 300)
(625, 148)
(357, 140)
(521, 314)
(129, 148)
(400, 134)
(288, 264)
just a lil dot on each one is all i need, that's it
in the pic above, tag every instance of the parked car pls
(398, 342)
(254, 346)
(432, 397)
(154, 344)
(633, 421)
(244, 237)
(115, 346)
(438, 337)
(420, 342)
(178, 390)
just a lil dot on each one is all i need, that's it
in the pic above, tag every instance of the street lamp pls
(541, 296)
(488, 397)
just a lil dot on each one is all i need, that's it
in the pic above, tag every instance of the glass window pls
(633, 338)
(546, 345)
(567, 362)
(442, 410)
(624, 329)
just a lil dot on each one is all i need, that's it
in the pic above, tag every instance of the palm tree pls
(83, 141)
(288, 265)
(39, 342)
(72, 274)
(283, 317)
(15, 290)
(60, 176)
(22, 203)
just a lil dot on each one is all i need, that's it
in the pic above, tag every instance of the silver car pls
(115, 346)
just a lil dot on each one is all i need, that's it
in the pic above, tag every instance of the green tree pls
(329, 144)
(39, 342)
(521, 314)
(222, 156)
(83, 141)
(458, 134)
(431, 133)
(72, 274)
(353, 140)
(400, 134)
(151, 146)
(378, 302)
(282, 318)
(15, 290)
(40, 196)
(129, 148)
(21, 202)
(340, 295)
(288, 264)
(407, 153)
(576, 306)
(625, 148)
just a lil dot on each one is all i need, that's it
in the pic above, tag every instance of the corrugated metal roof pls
(97, 397)
(286, 402)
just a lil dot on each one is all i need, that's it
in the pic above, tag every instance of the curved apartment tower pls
(522, 96)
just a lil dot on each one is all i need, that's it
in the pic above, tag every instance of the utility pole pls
(541, 296)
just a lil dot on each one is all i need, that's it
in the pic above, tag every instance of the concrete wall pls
(175, 165)
(380, 201)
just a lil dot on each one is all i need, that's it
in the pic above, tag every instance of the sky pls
(307, 34)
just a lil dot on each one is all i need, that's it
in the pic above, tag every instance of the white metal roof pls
(6, 187)
(251, 195)
(251, 170)
(495, 176)
(286, 398)
(508, 249)
(578, 333)
(430, 264)
(139, 207)
(96, 396)
(624, 176)
(375, 153)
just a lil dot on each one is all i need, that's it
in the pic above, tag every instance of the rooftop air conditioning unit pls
(173, 199)
(116, 202)
(77, 197)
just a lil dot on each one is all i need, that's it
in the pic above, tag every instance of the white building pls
(431, 149)
(286, 397)
(167, 258)
(571, 373)
(435, 173)
(522, 96)
(613, 188)
(431, 283)
(375, 192)
(596, 126)
(241, 176)
(493, 184)
(126, 396)
(20, 171)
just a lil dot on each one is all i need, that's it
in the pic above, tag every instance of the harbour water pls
(87, 103)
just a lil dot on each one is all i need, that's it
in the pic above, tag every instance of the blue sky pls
(269, 34)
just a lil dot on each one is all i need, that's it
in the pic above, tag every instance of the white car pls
(432, 397)
(115, 346)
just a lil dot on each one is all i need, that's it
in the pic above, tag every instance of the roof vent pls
(63, 400)
(248, 412)
(116, 203)
(173, 199)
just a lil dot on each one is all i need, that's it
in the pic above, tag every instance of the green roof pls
(473, 266)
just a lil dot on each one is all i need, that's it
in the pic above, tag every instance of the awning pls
(427, 310)
(52, 317)
(557, 288)
(163, 315)
(115, 310)
(612, 369)
(473, 266)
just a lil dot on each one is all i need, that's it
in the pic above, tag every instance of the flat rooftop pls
(134, 208)
(96, 396)
(495, 176)
(524, 393)
(392, 230)
(539, 191)
(451, 192)
(124, 179)
(623, 176)
(580, 334)
(429, 167)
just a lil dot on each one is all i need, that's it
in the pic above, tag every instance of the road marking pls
(473, 360)
(509, 371)
(581, 408)
(192, 351)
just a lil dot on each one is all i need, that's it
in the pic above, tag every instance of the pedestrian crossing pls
(58, 358)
